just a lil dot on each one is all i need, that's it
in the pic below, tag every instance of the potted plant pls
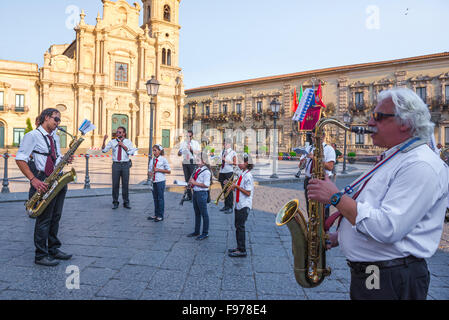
(351, 157)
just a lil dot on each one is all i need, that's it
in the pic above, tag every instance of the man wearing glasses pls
(44, 147)
(394, 220)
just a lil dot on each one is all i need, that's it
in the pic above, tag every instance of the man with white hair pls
(395, 219)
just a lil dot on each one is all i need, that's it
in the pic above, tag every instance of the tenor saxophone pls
(36, 205)
(307, 231)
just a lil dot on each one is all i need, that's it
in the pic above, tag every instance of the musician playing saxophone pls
(44, 146)
(394, 219)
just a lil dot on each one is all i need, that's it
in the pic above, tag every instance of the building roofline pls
(316, 71)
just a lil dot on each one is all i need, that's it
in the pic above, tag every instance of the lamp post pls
(152, 90)
(275, 106)
(347, 121)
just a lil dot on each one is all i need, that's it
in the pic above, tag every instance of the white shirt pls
(113, 144)
(329, 155)
(400, 212)
(229, 155)
(247, 183)
(162, 163)
(34, 141)
(204, 178)
(186, 153)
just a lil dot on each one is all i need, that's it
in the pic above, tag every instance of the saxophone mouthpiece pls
(364, 130)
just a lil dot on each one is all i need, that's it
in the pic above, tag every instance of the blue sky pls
(232, 40)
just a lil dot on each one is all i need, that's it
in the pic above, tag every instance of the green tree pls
(29, 126)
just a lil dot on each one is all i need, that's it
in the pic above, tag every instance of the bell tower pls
(162, 18)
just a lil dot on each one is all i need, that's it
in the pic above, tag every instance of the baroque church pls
(101, 76)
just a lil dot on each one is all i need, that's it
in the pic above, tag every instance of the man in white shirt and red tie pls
(189, 148)
(44, 147)
(122, 148)
(396, 220)
(228, 162)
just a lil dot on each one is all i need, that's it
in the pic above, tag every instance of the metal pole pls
(344, 156)
(87, 179)
(275, 155)
(5, 188)
(150, 147)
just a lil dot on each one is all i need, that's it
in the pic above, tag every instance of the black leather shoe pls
(127, 206)
(237, 254)
(202, 237)
(228, 211)
(115, 206)
(223, 209)
(190, 235)
(61, 255)
(47, 261)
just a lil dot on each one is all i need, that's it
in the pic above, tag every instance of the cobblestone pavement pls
(121, 255)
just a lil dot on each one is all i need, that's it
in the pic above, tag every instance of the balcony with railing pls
(21, 109)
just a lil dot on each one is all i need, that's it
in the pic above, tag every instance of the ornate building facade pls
(101, 76)
(349, 89)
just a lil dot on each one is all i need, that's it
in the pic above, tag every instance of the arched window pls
(167, 13)
(164, 56)
(168, 57)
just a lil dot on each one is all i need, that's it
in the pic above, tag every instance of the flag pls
(312, 117)
(308, 98)
(295, 101)
(319, 97)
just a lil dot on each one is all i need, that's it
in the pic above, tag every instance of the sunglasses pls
(378, 116)
(57, 119)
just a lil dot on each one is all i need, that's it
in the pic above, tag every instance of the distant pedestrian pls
(244, 192)
(200, 183)
(158, 168)
(188, 150)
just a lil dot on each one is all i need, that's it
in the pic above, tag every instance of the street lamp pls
(152, 90)
(347, 121)
(275, 106)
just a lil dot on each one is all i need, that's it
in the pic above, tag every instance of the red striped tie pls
(237, 197)
(154, 173)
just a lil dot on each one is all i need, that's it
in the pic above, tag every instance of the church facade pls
(101, 76)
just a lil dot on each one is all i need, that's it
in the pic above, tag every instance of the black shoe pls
(158, 219)
(202, 237)
(47, 261)
(151, 218)
(193, 234)
(232, 250)
(61, 255)
(115, 206)
(223, 209)
(228, 211)
(237, 254)
(127, 206)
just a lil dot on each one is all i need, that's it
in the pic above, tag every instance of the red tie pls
(223, 160)
(237, 197)
(50, 164)
(154, 173)
(196, 174)
(119, 155)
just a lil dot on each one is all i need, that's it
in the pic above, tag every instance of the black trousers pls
(120, 170)
(306, 183)
(405, 282)
(47, 224)
(240, 218)
(188, 169)
(229, 200)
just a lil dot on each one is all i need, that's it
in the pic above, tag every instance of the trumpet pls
(227, 187)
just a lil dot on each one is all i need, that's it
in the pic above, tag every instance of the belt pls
(361, 266)
(120, 161)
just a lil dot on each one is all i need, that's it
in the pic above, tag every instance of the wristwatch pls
(335, 199)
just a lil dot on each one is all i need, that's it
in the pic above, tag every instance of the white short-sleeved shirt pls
(113, 144)
(186, 153)
(229, 155)
(35, 141)
(329, 155)
(161, 163)
(204, 178)
(247, 183)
